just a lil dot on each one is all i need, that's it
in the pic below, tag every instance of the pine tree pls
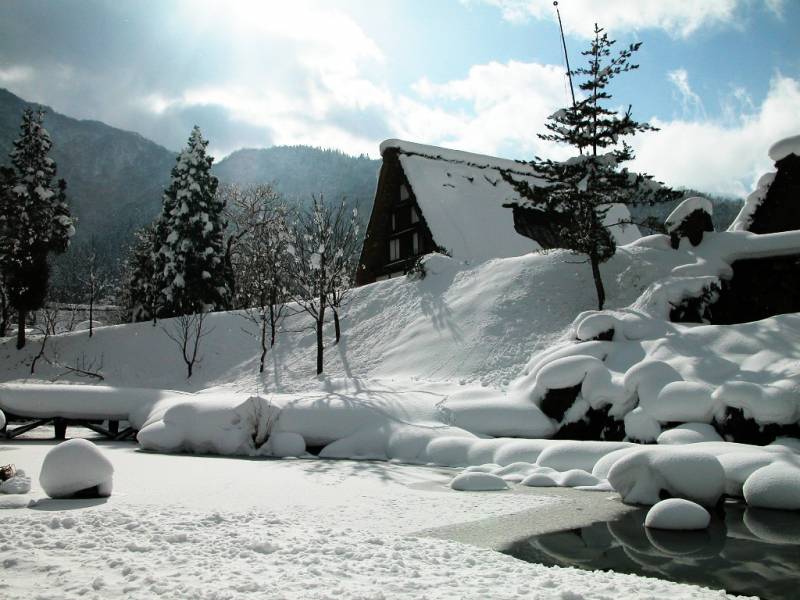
(191, 273)
(140, 296)
(36, 220)
(584, 187)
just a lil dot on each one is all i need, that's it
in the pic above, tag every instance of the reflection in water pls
(745, 551)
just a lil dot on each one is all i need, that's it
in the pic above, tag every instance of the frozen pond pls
(745, 551)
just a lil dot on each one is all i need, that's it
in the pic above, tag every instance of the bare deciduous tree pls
(187, 331)
(317, 255)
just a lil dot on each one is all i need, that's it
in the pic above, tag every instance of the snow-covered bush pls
(76, 468)
(690, 219)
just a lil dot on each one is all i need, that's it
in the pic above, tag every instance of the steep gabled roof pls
(462, 194)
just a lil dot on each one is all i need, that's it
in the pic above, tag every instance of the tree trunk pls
(4, 320)
(21, 329)
(189, 366)
(320, 323)
(598, 282)
(336, 325)
(272, 300)
(263, 343)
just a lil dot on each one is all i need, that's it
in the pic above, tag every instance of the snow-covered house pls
(430, 198)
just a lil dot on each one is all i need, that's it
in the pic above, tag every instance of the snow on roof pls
(462, 194)
(745, 217)
(785, 147)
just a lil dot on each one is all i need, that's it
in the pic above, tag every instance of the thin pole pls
(566, 56)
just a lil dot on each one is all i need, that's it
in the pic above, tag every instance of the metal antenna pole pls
(566, 56)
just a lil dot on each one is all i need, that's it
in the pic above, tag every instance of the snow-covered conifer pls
(36, 220)
(191, 273)
(582, 189)
(140, 296)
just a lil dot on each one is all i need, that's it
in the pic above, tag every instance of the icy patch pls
(774, 486)
(677, 514)
(76, 466)
(478, 482)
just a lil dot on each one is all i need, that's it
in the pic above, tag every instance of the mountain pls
(115, 178)
(299, 172)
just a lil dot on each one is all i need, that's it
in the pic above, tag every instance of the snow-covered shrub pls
(20, 483)
(76, 468)
(690, 219)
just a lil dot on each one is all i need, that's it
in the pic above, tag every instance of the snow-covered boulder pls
(646, 475)
(678, 514)
(472, 481)
(774, 486)
(2, 420)
(76, 467)
(286, 443)
(689, 433)
(690, 219)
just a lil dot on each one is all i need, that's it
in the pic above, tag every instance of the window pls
(394, 222)
(394, 249)
(415, 243)
(414, 215)
(404, 195)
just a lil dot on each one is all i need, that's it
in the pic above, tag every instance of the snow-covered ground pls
(202, 527)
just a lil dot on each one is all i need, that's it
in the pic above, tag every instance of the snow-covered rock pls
(689, 433)
(478, 482)
(641, 477)
(75, 466)
(2, 420)
(678, 514)
(785, 147)
(774, 486)
(286, 443)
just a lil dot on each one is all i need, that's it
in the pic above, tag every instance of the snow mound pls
(785, 147)
(478, 482)
(19, 484)
(287, 443)
(774, 486)
(76, 466)
(2, 420)
(210, 425)
(570, 478)
(685, 208)
(641, 477)
(567, 455)
(689, 433)
(677, 514)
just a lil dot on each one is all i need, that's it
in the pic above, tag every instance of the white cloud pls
(690, 101)
(721, 157)
(677, 17)
(15, 74)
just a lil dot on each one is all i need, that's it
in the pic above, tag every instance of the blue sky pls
(720, 77)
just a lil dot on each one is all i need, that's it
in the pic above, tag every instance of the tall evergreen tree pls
(191, 273)
(140, 296)
(36, 220)
(583, 188)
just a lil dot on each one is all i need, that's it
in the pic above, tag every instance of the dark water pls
(753, 552)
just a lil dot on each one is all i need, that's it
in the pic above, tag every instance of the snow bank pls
(689, 433)
(642, 477)
(214, 425)
(677, 514)
(478, 482)
(785, 147)
(76, 466)
(776, 485)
